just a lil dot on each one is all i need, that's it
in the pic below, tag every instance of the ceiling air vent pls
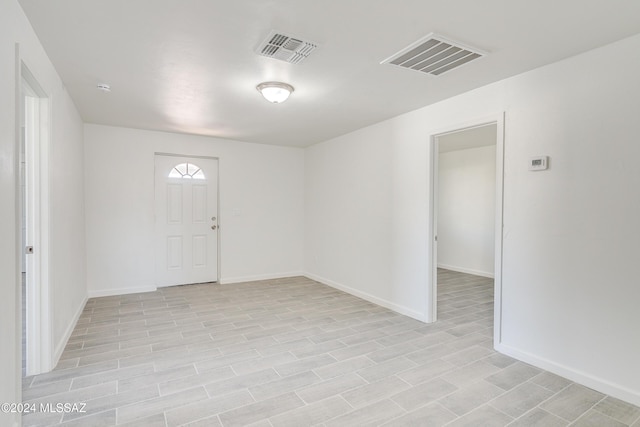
(434, 55)
(285, 48)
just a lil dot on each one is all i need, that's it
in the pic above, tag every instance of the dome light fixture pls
(275, 92)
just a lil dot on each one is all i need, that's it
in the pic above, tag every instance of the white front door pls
(186, 220)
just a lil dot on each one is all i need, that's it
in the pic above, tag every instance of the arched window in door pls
(186, 171)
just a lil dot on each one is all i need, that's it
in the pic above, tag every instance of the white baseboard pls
(588, 380)
(60, 345)
(120, 291)
(467, 270)
(371, 298)
(240, 279)
(225, 280)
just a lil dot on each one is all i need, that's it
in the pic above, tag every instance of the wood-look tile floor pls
(293, 352)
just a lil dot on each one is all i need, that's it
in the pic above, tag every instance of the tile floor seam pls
(452, 421)
(571, 422)
(250, 394)
(362, 378)
(444, 407)
(592, 408)
(339, 396)
(135, 403)
(500, 410)
(368, 404)
(524, 414)
(561, 390)
(410, 386)
(84, 417)
(539, 405)
(603, 414)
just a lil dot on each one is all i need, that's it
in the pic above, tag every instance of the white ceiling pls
(188, 65)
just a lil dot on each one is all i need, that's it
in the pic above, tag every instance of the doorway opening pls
(37, 351)
(466, 227)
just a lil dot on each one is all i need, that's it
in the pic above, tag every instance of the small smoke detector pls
(286, 48)
(104, 87)
(435, 55)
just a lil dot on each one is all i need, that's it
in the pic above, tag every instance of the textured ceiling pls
(189, 66)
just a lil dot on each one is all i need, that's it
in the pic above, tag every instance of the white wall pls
(66, 211)
(466, 210)
(67, 234)
(263, 184)
(570, 290)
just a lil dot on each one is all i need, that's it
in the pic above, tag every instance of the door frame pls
(432, 276)
(219, 233)
(35, 105)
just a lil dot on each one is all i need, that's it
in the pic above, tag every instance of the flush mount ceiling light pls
(275, 92)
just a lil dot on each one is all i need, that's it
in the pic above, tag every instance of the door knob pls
(213, 227)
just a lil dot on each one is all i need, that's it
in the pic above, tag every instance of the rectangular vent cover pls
(435, 55)
(285, 48)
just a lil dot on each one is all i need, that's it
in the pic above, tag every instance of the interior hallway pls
(293, 352)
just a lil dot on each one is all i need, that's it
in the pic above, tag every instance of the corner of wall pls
(62, 343)
(406, 311)
(572, 374)
(241, 279)
(120, 291)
